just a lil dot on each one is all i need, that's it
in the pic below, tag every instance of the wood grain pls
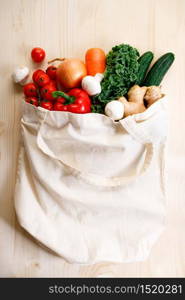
(67, 28)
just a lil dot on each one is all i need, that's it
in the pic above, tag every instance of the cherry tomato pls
(38, 54)
(60, 106)
(32, 100)
(46, 92)
(53, 83)
(51, 71)
(36, 73)
(42, 79)
(47, 105)
(30, 90)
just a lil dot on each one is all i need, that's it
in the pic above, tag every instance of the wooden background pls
(66, 28)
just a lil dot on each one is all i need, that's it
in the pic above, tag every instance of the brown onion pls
(70, 72)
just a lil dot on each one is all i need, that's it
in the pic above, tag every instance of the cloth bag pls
(92, 189)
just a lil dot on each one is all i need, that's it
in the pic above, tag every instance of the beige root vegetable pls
(135, 103)
(153, 94)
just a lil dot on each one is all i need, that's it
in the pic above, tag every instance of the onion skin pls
(70, 73)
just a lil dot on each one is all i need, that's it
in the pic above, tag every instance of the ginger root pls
(153, 94)
(135, 102)
(140, 98)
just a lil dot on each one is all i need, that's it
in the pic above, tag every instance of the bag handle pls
(96, 179)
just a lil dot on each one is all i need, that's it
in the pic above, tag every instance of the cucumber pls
(144, 63)
(159, 69)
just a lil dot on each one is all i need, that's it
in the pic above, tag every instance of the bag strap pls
(96, 179)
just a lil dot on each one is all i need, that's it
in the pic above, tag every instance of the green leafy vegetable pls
(121, 73)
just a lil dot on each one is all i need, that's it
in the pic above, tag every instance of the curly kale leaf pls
(121, 73)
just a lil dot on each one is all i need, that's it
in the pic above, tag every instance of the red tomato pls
(51, 71)
(47, 105)
(30, 90)
(53, 83)
(60, 106)
(32, 100)
(42, 79)
(36, 73)
(46, 92)
(61, 100)
(38, 54)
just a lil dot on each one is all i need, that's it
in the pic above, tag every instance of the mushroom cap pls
(115, 110)
(91, 85)
(20, 73)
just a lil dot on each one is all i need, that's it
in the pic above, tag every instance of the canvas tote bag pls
(92, 189)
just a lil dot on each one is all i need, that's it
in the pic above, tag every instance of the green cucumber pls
(159, 69)
(144, 63)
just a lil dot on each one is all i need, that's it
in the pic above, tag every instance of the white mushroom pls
(91, 84)
(20, 75)
(115, 110)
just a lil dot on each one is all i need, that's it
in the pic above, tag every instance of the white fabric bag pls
(92, 189)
